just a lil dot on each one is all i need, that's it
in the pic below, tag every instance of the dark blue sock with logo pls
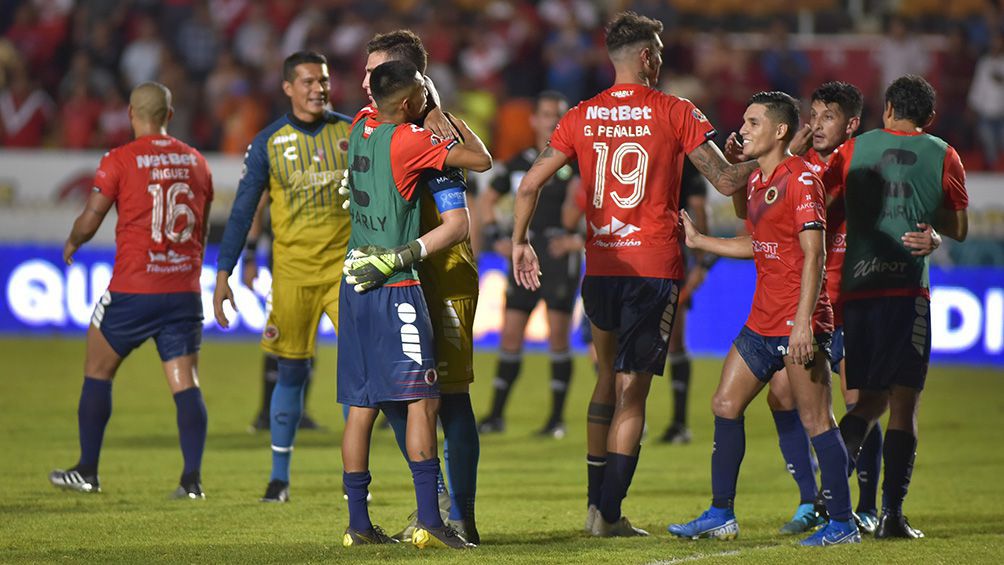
(832, 456)
(192, 423)
(286, 409)
(726, 458)
(93, 413)
(796, 450)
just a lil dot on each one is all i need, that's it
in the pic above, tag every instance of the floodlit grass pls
(531, 502)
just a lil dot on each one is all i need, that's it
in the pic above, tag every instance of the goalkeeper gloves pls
(343, 189)
(371, 266)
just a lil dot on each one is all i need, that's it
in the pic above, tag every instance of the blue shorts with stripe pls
(764, 355)
(173, 320)
(386, 350)
(641, 311)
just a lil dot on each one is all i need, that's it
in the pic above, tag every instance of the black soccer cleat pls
(276, 491)
(896, 526)
(491, 426)
(73, 479)
(308, 423)
(261, 423)
(677, 434)
(554, 430)
(189, 487)
(375, 535)
(443, 536)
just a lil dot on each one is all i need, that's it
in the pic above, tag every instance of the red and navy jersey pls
(836, 236)
(778, 209)
(630, 142)
(160, 187)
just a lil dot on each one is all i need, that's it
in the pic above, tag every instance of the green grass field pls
(531, 491)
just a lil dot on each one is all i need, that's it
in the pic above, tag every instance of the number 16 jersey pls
(630, 142)
(160, 187)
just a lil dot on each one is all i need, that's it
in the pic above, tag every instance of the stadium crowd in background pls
(64, 65)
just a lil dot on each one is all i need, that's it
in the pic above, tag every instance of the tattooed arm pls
(526, 268)
(726, 178)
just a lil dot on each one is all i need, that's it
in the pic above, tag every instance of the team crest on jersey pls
(771, 195)
(343, 145)
(431, 377)
(698, 115)
(271, 332)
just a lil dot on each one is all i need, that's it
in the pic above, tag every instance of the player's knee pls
(725, 407)
(817, 421)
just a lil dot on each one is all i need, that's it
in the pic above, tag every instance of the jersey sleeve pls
(807, 197)
(108, 175)
(413, 149)
(690, 124)
(563, 138)
(953, 182)
(365, 112)
(254, 179)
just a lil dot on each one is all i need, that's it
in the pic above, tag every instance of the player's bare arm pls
(800, 343)
(86, 224)
(735, 247)
(952, 223)
(725, 177)
(802, 141)
(526, 267)
(454, 229)
(472, 154)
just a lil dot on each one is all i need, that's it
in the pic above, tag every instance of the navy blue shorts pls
(386, 350)
(765, 355)
(641, 311)
(837, 350)
(173, 320)
(888, 342)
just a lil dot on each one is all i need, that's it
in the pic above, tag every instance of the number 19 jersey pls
(160, 187)
(630, 142)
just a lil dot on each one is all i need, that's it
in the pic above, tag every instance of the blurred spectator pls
(141, 57)
(78, 118)
(482, 60)
(114, 127)
(985, 24)
(557, 12)
(730, 79)
(33, 38)
(240, 115)
(228, 14)
(900, 54)
(26, 112)
(184, 98)
(954, 123)
(567, 52)
(255, 38)
(986, 98)
(784, 66)
(103, 46)
(82, 70)
(302, 27)
(198, 43)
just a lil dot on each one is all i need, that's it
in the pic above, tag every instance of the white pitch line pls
(703, 556)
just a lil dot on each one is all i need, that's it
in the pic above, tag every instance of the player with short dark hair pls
(789, 326)
(893, 180)
(835, 115)
(385, 354)
(629, 141)
(450, 285)
(561, 271)
(299, 159)
(162, 190)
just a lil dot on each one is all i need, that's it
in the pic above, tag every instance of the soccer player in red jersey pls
(893, 180)
(789, 326)
(162, 190)
(629, 141)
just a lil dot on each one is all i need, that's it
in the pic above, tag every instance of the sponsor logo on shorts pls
(271, 332)
(411, 344)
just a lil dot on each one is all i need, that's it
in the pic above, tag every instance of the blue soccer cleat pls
(834, 533)
(718, 523)
(805, 519)
(867, 521)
